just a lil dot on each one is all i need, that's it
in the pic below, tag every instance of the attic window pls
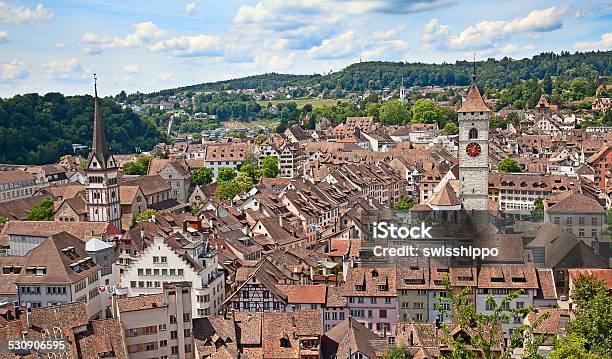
(519, 279)
(497, 279)
(359, 287)
(383, 288)
(374, 273)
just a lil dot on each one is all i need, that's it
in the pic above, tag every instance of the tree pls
(225, 174)
(485, 337)
(251, 171)
(42, 211)
(269, 167)
(202, 176)
(508, 164)
(393, 112)
(425, 111)
(138, 167)
(260, 139)
(243, 181)
(450, 129)
(3, 220)
(403, 205)
(397, 352)
(593, 321)
(537, 213)
(572, 347)
(226, 189)
(147, 214)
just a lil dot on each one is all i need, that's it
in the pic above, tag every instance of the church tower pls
(474, 150)
(102, 189)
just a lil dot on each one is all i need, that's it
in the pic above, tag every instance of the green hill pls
(378, 74)
(38, 129)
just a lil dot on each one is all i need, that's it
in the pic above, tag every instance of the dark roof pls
(99, 148)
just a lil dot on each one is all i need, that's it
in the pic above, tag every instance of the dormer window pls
(359, 287)
(383, 288)
(374, 273)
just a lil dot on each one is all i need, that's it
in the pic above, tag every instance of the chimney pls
(245, 230)
(280, 220)
(17, 310)
(29, 317)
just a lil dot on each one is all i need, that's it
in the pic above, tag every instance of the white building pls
(167, 261)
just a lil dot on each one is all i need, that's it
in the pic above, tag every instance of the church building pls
(102, 171)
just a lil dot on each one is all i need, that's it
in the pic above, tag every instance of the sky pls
(57, 45)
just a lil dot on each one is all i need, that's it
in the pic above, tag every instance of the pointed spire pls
(474, 101)
(99, 148)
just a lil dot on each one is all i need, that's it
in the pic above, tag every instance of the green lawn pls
(315, 102)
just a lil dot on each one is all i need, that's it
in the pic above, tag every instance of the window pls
(155, 259)
(187, 348)
(473, 133)
(382, 313)
(173, 334)
(186, 317)
(164, 259)
(172, 319)
(187, 333)
(162, 327)
(163, 343)
(174, 350)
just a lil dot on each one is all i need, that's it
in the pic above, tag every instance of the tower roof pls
(99, 148)
(474, 101)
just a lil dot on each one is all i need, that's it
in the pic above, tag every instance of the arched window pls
(473, 133)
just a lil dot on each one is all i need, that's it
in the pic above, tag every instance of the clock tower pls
(102, 188)
(474, 150)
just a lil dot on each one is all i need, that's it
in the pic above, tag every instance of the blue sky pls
(56, 45)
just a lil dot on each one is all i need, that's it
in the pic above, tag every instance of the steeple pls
(99, 148)
(474, 101)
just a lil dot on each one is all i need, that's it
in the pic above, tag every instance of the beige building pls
(158, 325)
(176, 173)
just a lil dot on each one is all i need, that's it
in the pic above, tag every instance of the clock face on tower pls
(472, 149)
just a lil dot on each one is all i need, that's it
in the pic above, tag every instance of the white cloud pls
(13, 70)
(604, 43)
(12, 14)
(131, 69)
(515, 49)
(60, 45)
(144, 33)
(165, 75)
(275, 62)
(3, 36)
(191, 8)
(70, 70)
(191, 46)
(486, 34)
(338, 47)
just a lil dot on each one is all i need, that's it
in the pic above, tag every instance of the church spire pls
(99, 149)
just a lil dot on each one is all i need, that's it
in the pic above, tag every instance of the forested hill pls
(379, 74)
(38, 129)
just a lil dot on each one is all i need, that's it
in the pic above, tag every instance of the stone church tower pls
(474, 150)
(102, 188)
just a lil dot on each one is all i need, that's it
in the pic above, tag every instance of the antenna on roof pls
(474, 73)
